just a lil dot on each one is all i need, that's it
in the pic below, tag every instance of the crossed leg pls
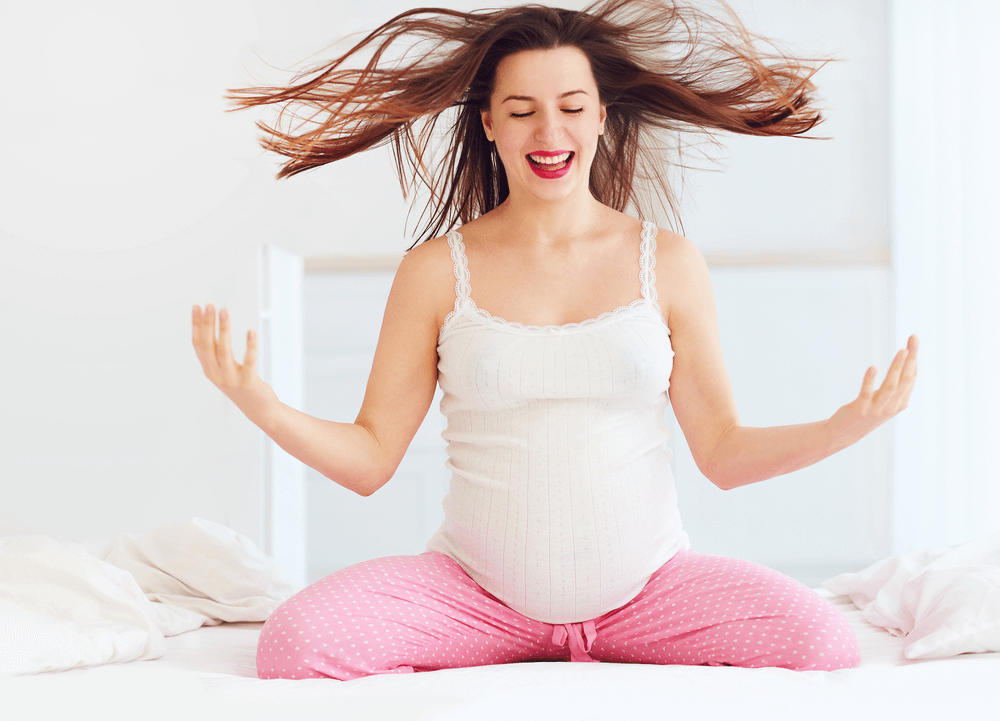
(397, 614)
(699, 609)
(419, 613)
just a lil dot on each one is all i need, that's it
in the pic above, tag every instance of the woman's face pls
(545, 107)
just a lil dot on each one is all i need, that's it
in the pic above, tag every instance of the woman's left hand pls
(872, 408)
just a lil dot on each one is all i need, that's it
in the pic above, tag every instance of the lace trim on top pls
(647, 279)
(647, 263)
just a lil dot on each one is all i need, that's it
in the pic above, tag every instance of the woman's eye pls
(573, 111)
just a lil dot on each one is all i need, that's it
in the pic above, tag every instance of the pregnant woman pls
(559, 328)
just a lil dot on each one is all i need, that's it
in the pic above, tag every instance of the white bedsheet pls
(209, 673)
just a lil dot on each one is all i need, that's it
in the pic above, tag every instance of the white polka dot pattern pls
(421, 613)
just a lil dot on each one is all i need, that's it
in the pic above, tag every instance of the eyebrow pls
(526, 97)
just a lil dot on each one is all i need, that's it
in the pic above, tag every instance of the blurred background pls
(127, 195)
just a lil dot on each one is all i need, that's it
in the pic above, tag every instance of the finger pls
(224, 351)
(869, 382)
(891, 382)
(905, 400)
(908, 379)
(211, 343)
(195, 320)
(202, 343)
(250, 359)
(208, 327)
(910, 367)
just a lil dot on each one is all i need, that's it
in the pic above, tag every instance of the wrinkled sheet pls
(63, 607)
(944, 601)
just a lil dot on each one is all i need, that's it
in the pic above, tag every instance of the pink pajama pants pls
(421, 613)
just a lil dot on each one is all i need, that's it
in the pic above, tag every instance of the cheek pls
(509, 146)
(506, 151)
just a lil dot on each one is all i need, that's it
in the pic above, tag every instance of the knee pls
(342, 648)
(287, 650)
(281, 649)
(827, 645)
(297, 640)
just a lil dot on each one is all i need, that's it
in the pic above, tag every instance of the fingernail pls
(223, 314)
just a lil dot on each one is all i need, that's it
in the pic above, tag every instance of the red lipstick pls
(554, 170)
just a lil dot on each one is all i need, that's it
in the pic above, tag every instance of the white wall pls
(790, 195)
(946, 260)
(126, 196)
(342, 315)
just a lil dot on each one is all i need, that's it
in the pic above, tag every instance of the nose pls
(549, 128)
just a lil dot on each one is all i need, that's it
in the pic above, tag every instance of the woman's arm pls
(361, 456)
(756, 454)
(727, 453)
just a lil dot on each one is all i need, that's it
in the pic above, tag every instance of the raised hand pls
(872, 407)
(239, 382)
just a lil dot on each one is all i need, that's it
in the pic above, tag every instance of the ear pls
(487, 124)
(603, 116)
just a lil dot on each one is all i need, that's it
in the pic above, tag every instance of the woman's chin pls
(552, 191)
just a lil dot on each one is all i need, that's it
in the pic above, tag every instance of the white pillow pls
(946, 601)
(205, 568)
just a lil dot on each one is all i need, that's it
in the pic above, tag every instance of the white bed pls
(210, 673)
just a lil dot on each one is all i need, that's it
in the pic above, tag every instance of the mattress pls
(210, 673)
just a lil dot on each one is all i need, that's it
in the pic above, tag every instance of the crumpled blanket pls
(63, 607)
(945, 601)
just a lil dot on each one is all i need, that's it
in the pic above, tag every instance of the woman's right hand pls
(872, 408)
(240, 383)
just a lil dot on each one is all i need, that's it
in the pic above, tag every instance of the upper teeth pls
(550, 159)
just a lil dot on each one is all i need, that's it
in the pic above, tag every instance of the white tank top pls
(562, 502)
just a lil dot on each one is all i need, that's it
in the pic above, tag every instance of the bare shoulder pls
(681, 274)
(426, 276)
(431, 256)
(675, 250)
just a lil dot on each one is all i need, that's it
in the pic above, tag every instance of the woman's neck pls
(550, 223)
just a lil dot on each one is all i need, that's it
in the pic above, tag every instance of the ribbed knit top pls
(562, 502)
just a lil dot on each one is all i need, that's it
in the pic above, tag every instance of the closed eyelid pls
(529, 112)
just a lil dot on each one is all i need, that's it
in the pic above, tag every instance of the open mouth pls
(551, 163)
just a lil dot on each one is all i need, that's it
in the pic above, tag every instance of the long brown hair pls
(662, 68)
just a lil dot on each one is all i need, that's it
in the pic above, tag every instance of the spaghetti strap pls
(463, 288)
(647, 263)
